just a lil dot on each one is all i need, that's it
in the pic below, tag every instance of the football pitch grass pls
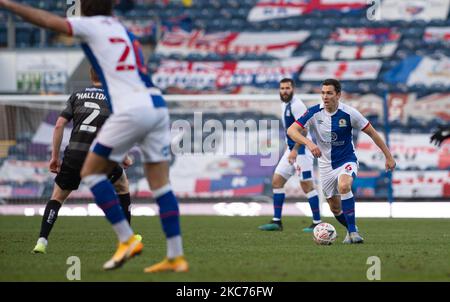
(230, 249)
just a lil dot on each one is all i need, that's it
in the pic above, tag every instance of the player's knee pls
(335, 209)
(277, 183)
(59, 194)
(307, 186)
(344, 187)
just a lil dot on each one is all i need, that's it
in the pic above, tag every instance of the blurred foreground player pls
(89, 110)
(295, 156)
(139, 117)
(332, 123)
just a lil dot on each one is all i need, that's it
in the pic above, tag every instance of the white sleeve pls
(358, 121)
(82, 27)
(298, 109)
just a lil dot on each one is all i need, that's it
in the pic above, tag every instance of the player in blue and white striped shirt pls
(332, 123)
(296, 157)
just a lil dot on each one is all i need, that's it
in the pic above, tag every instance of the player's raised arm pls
(390, 162)
(58, 133)
(295, 133)
(37, 17)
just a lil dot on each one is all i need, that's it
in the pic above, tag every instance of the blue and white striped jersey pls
(117, 57)
(334, 132)
(290, 112)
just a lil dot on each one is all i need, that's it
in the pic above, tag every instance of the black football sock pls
(125, 201)
(341, 219)
(49, 218)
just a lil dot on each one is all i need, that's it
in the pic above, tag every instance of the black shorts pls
(69, 178)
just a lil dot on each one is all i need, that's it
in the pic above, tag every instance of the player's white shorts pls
(329, 177)
(148, 128)
(304, 166)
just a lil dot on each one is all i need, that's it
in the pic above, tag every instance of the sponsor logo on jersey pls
(334, 136)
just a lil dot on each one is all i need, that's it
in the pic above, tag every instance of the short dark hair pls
(288, 80)
(333, 82)
(91, 8)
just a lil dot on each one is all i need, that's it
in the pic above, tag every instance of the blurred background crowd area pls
(392, 57)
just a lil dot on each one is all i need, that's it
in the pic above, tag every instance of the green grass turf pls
(230, 249)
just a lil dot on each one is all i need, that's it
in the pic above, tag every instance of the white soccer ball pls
(324, 234)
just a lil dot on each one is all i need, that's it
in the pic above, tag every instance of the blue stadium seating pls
(231, 15)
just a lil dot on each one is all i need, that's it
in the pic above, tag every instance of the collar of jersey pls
(326, 112)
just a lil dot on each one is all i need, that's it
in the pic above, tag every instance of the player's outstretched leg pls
(348, 207)
(170, 221)
(120, 181)
(278, 200)
(313, 200)
(58, 197)
(107, 200)
(48, 220)
(94, 176)
(336, 209)
(125, 204)
(157, 174)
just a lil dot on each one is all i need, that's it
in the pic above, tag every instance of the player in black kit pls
(88, 109)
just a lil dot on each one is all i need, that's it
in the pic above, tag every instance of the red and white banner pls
(431, 71)
(365, 35)
(411, 151)
(341, 70)
(141, 28)
(218, 75)
(275, 9)
(437, 34)
(412, 10)
(436, 105)
(342, 52)
(276, 44)
(410, 184)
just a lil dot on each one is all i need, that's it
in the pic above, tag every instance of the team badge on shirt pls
(342, 122)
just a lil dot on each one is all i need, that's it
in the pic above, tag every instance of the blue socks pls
(341, 219)
(313, 200)
(169, 216)
(348, 207)
(168, 211)
(107, 200)
(278, 200)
